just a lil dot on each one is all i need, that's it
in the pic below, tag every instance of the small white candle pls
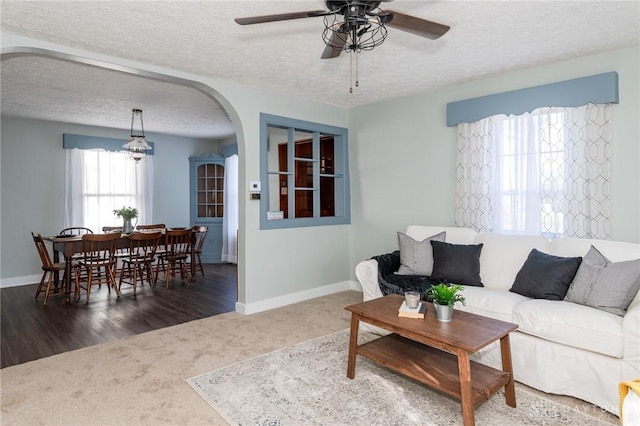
(412, 298)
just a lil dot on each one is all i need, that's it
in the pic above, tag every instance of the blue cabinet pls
(207, 202)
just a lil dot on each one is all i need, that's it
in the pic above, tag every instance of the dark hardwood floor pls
(30, 331)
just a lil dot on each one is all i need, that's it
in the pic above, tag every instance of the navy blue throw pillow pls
(545, 276)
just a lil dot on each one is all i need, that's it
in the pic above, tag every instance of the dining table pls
(69, 245)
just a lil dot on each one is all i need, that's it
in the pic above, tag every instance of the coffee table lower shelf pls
(432, 367)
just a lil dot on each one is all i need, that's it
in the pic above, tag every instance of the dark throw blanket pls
(392, 283)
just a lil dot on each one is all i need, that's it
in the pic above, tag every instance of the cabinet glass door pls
(210, 190)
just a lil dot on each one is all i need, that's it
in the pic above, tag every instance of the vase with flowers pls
(127, 214)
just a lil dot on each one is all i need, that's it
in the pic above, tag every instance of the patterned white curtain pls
(546, 172)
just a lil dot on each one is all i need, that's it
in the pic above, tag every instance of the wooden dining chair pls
(200, 233)
(97, 263)
(76, 230)
(120, 252)
(49, 270)
(137, 262)
(107, 229)
(178, 249)
(161, 250)
(152, 227)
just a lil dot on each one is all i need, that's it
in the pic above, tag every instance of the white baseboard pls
(277, 302)
(18, 281)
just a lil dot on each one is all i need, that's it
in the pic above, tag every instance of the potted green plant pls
(444, 296)
(126, 213)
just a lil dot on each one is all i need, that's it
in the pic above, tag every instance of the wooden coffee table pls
(436, 353)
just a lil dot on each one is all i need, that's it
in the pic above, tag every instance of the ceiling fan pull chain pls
(357, 77)
(351, 72)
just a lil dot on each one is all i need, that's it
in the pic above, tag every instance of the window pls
(100, 181)
(541, 173)
(304, 174)
(531, 172)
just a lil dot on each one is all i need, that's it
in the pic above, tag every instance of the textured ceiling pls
(200, 37)
(46, 88)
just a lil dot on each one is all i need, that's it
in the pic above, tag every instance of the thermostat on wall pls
(254, 186)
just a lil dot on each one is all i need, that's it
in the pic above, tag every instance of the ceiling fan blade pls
(329, 52)
(418, 26)
(280, 17)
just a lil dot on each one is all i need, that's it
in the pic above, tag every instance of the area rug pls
(306, 384)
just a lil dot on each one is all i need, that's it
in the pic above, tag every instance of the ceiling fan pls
(362, 26)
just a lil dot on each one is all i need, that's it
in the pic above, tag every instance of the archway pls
(208, 91)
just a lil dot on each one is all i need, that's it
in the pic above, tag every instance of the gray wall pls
(403, 157)
(33, 178)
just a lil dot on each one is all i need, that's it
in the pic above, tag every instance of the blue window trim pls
(599, 89)
(341, 136)
(70, 141)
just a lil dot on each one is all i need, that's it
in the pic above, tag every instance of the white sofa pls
(560, 347)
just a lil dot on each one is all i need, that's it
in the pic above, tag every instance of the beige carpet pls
(141, 379)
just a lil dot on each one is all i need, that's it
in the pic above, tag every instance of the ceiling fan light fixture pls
(359, 31)
(137, 145)
(353, 34)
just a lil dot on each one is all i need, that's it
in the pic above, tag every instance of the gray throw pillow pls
(416, 257)
(545, 276)
(605, 285)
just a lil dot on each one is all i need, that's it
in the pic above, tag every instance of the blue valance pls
(597, 89)
(70, 141)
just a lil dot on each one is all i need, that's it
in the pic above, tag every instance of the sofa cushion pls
(503, 256)
(605, 285)
(571, 324)
(544, 276)
(455, 235)
(457, 263)
(492, 303)
(615, 251)
(416, 257)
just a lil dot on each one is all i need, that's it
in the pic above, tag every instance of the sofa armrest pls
(388, 263)
(367, 274)
(369, 271)
(631, 335)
